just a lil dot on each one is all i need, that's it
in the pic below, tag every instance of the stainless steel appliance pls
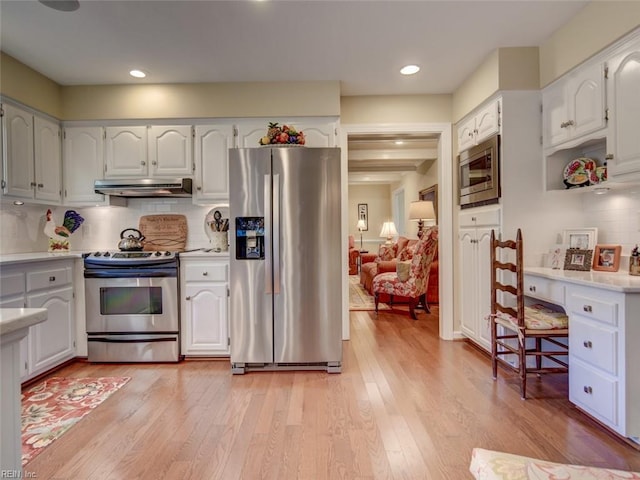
(131, 303)
(479, 174)
(145, 187)
(285, 275)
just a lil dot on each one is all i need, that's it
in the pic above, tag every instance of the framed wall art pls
(578, 259)
(363, 214)
(582, 238)
(606, 258)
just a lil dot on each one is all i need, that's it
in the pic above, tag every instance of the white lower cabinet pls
(205, 306)
(474, 239)
(43, 285)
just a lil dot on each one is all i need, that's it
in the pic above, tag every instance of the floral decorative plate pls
(578, 172)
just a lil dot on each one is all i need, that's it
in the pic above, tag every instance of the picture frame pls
(363, 214)
(431, 194)
(557, 253)
(578, 259)
(580, 238)
(606, 258)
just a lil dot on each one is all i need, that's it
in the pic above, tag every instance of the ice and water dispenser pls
(250, 238)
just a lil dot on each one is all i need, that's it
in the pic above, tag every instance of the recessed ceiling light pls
(398, 142)
(137, 73)
(409, 69)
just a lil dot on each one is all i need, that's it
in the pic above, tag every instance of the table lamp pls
(388, 231)
(420, 211)
(361, 226)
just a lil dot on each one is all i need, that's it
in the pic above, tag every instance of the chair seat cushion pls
(492, 465)
(389, 283)
(539, 317)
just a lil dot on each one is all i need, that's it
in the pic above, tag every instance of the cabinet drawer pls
(211, 273)
(544, 289)
(594, 308)
(594, 391)
(12, 284)
(53, 277)
(479, 218)
(594, 343)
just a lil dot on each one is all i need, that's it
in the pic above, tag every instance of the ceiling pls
(362, 44)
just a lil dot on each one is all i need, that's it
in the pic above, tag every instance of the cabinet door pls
(466, 135)
(51, 341)
(624, 74)
(212, 144)
(467, 274)
(318, 135)
(170, 151)
(554, 114)
(126, 152)
(586, 99)
(206, 322)
(83, 164)
(19, 174)
(48, 160)
(487, 121)
(483, 284)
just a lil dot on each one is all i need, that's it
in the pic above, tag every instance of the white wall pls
(22, 227)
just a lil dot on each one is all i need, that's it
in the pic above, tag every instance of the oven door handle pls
(173, 338)
(130, 273)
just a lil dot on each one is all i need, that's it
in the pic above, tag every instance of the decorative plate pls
(215, 222)
(578, 172)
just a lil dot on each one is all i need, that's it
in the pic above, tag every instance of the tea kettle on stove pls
(131, 243)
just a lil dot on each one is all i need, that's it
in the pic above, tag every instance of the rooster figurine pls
(59, 234)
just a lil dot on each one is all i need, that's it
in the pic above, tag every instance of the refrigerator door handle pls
(268, 286)
(276, 233)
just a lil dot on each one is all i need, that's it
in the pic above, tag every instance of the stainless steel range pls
(132, 306)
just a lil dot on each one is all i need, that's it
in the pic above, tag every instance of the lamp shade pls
(421, 210)
(388, 230)
(361, 225)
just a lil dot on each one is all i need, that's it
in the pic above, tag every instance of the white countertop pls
(203, 252)
(12, 319)
(10, 258)
(619, 281)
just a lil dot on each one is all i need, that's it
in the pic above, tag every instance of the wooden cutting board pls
(164, 232)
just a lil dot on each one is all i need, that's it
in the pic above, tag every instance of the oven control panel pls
(132, 258)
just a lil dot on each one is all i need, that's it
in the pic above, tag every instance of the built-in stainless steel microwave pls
(479, 174)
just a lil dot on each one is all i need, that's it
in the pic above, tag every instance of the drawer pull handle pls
(588, 390)
(587, 344)
(188, 298)
(205, 273)
(52, 279)
(532, 288)
(587, 308)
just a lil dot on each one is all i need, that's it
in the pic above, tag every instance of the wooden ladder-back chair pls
(527, 331)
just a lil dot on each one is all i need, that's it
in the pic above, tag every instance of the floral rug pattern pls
(52, 407)
(359, 298)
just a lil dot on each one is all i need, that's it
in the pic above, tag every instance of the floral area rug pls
(359, 298)
(52, 407)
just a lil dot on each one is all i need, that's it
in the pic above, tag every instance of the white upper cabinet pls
(624, 77)
(212, 144)
(126, 152)
(170, 151)
(32, 156)
(481, 125)
(83, 163)
(574, 106)
(154, 151)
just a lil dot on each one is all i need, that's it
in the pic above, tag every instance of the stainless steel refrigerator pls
(285, 278)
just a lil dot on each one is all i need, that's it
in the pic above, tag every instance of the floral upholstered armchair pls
(411, 277)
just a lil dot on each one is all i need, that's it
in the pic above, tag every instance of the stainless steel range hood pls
(145, 187)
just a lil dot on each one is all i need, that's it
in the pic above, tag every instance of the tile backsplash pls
(22, 226)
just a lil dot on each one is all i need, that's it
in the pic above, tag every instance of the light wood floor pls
(407, 405)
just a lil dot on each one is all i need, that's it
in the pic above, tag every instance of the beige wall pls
(378, 200)
(412, 183)
(395, 109)
(27, 86)
(476, 88)
(205, 100)
(594, 28)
